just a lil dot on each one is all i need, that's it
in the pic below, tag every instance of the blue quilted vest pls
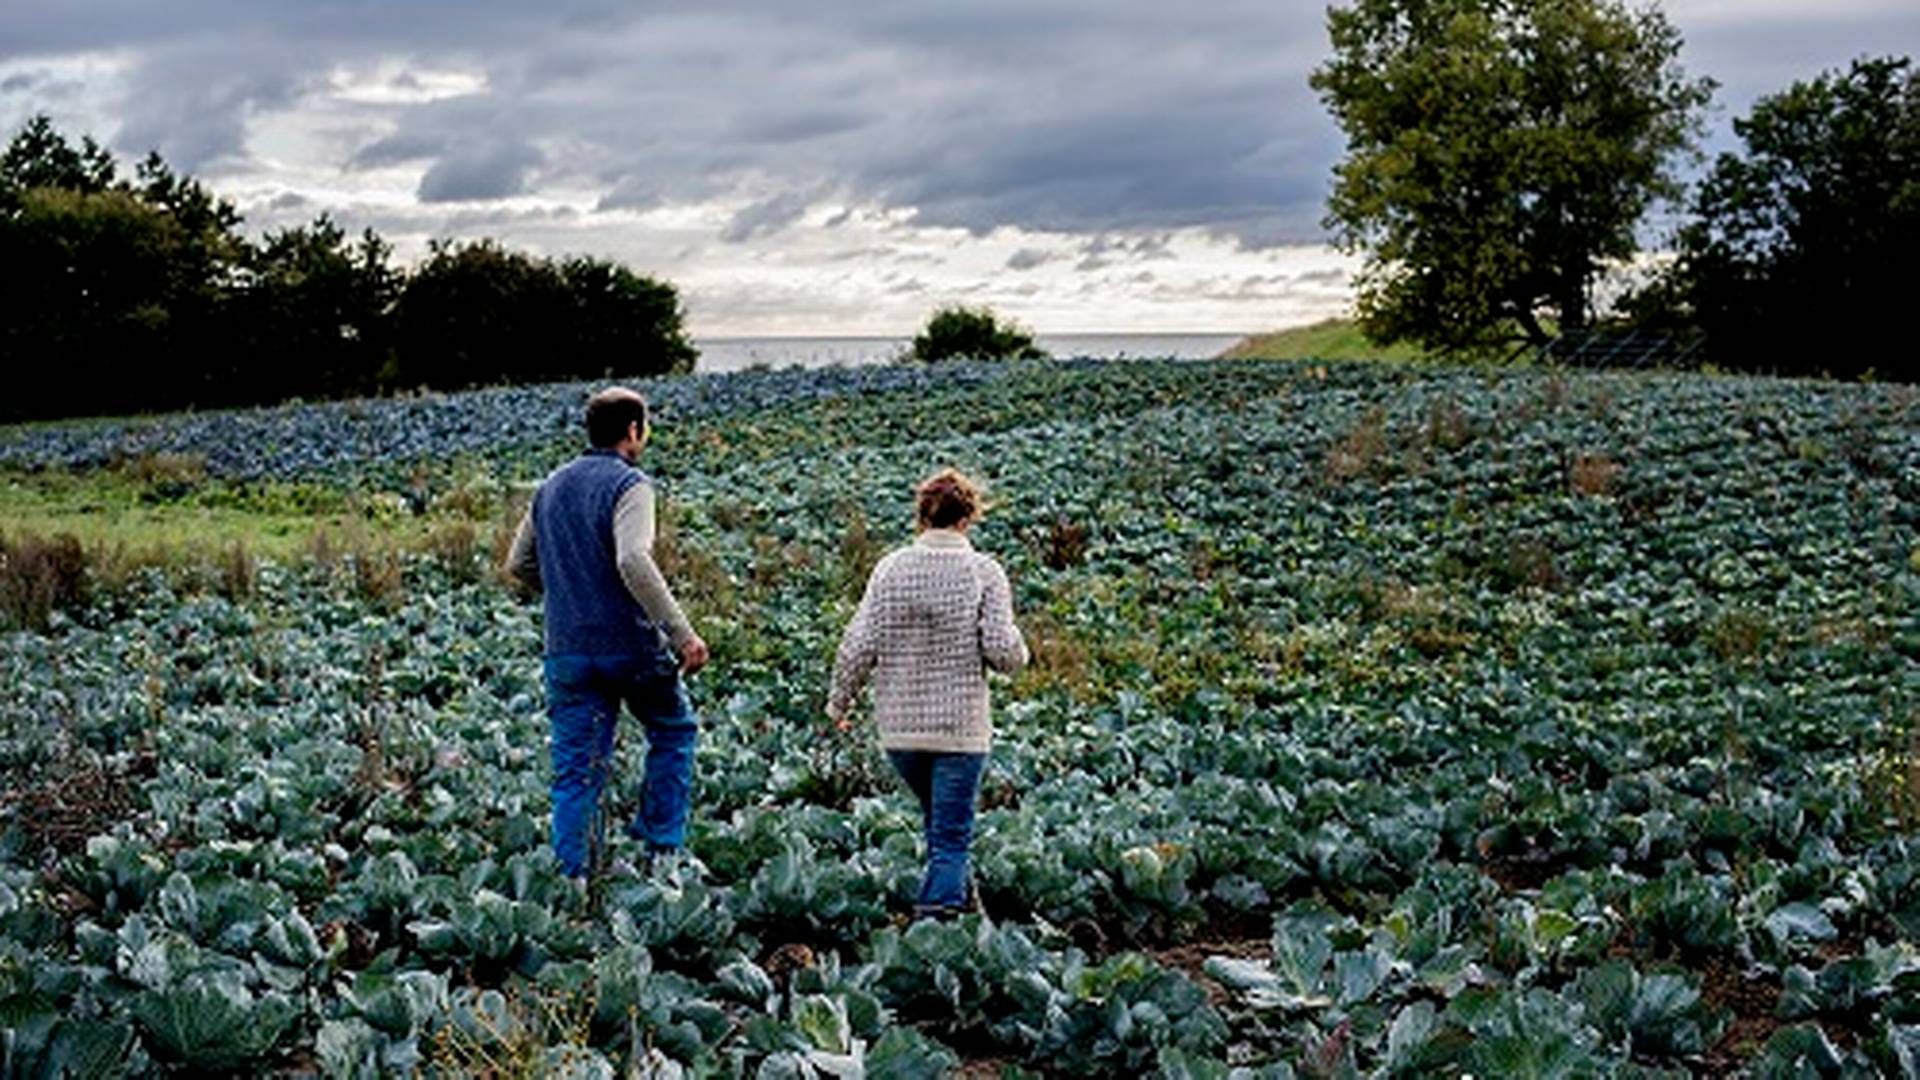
(589, 611)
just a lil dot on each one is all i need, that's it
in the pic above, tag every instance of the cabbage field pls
(1385, 720)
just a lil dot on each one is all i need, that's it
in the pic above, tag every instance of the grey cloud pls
(1106, 117)
(1321, 277)
(1751, 58)
(451, 219)
(765, 217)
(398, 150)
(1154, 247)
(1106, 246)
(1249, 287)
(631, 193)
(492, 172)
(1028, 258)
(783, 125)
(957, 114)
(862, 253)
(192, 105)
(21, 83)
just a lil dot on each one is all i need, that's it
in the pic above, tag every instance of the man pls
(612, 629)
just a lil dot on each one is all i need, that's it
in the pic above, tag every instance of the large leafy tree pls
(90, 288)
(320, 305)
(476, 314)
(113, 286)
(1799, 252)
(1500, 154)
(622, 323)
(39, 156)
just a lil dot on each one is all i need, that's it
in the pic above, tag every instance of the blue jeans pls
(946, 785)
(584, 694)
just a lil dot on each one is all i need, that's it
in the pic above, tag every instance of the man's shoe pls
(939, 912)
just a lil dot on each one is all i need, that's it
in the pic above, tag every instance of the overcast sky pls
(807, 168)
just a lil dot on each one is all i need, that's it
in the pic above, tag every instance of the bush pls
(38, 576)
(965, 333)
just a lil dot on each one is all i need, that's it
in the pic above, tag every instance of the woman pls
(936, 616)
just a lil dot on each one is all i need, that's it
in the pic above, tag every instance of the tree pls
(1499, 154)
(120, 282)
(1798, 254)
(476, 314)
(622, 323)
(39, 156)
(140, 294)
(960, 332)
(316, 314)
(87, 280)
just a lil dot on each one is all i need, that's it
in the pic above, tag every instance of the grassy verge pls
(65, 535)
(172, 508)
(1331, 339)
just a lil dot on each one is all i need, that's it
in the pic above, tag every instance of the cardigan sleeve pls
(858, 651)
(1001, 645)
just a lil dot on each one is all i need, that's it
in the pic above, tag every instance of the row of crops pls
(1384, 720)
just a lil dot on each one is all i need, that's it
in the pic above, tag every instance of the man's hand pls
(693, 654)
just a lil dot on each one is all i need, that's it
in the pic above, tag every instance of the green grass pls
(1330, 339)
(176, 513)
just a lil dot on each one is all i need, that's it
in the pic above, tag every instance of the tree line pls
(139, 293)
(1502, 156)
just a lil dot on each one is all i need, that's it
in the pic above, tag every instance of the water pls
(733, 354)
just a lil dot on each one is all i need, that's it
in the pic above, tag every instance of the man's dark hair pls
(610, 412)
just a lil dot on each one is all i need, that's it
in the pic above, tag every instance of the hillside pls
(1330, 339)
(1383, 718)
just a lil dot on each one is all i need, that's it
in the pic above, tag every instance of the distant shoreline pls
(725, 338)
(718, 354)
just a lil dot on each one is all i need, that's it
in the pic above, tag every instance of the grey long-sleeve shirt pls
(633, 535)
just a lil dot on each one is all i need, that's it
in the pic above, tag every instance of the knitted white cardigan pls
(936, 616)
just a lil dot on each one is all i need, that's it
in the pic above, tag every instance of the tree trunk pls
(1536, 334)
(1572, 301)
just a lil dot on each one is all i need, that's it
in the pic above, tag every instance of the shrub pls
(960, 332)
(39, 575)
(1593, 474)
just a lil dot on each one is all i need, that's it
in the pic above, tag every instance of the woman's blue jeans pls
(584, 694)
(946, 785)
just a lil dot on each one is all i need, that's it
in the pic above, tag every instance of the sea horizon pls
(736, 352)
